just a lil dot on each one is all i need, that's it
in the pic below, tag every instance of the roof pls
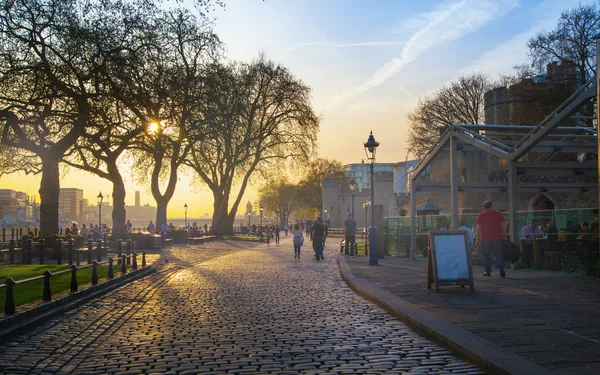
(429, 207)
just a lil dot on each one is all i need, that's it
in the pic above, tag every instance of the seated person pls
(97, 235)
(531, 231)
(584, 231)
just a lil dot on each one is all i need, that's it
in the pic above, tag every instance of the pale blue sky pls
(368, 62)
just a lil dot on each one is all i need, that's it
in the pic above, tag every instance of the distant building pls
(390, 186)
(360, 172)
(137, 198)
(16, 209)
(71, 203)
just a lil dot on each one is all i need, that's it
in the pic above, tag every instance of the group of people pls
(318, 235)
(93, 232)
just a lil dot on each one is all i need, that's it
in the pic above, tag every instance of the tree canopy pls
(460, 102)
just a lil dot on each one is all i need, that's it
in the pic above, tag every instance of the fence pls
(397, 230)
(123, 261)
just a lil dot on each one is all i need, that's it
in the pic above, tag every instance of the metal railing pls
(123, 260)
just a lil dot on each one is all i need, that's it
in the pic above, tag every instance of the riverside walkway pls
(550, 318)
(230, 307)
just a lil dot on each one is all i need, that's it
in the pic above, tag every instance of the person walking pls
(350, 234)
(298, 240)
(489, 234)
(277, 234)
(318, 237)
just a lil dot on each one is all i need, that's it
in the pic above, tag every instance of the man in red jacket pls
(490, 232)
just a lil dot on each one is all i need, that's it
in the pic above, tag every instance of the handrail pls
(563, 105)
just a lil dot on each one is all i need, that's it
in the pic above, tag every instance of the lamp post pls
(325, 213)
(249, 212)
(352, 188)
(370, 149)
(100, 198)
(185, 206)
(261, 228)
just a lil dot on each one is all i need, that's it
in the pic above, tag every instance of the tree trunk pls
(49, 192)
(118, 195)
(161, 211)
(222, 223)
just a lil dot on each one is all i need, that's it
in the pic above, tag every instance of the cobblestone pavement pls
(551, 318)
(230, 307)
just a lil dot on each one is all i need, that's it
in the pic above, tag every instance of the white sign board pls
(451, 257)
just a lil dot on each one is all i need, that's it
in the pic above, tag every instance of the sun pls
(153, 127)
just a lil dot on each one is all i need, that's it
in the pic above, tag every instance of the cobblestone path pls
(230, 307)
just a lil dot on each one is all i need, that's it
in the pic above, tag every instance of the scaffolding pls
(511, 143)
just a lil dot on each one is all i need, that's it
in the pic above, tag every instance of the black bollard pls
(27, 255)
(99, 251)
(11, 251)
(41, 247)
(119, 250)
(47, 292)
(12, 233)
(123, 265)
(134, 265)
(70, 248)
(128, 252)
(143, 258)
(111, 273)
(9, 305)
(59, 251)
(3, 234)
(89, 253)
(73, 278)
(94, 273)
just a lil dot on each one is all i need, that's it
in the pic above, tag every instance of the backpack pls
(298, 241)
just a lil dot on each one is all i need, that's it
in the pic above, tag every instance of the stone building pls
(390, 192)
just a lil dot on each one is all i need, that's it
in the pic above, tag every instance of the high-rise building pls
(70, 202)
(137, 198)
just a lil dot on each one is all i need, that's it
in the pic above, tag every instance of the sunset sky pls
(368, 63)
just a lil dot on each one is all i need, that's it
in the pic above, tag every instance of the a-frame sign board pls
(449, 260)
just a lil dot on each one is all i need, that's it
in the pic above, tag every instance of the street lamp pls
(352, 188)
(100, 198)
(325, 213)
(261, 228)
(370, 149)
(185, 206)
(249, 212)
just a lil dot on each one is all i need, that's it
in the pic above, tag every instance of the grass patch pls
(33, 291)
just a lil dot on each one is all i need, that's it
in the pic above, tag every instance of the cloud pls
(441, 27)
(343, 45)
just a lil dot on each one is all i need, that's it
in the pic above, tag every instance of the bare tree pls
(572, 41)
(48, 83)
(311, 184)
(281, 197)
(175, 95)
(258, 115)
(461, 102)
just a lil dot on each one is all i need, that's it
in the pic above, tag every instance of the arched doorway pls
(541, 202)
